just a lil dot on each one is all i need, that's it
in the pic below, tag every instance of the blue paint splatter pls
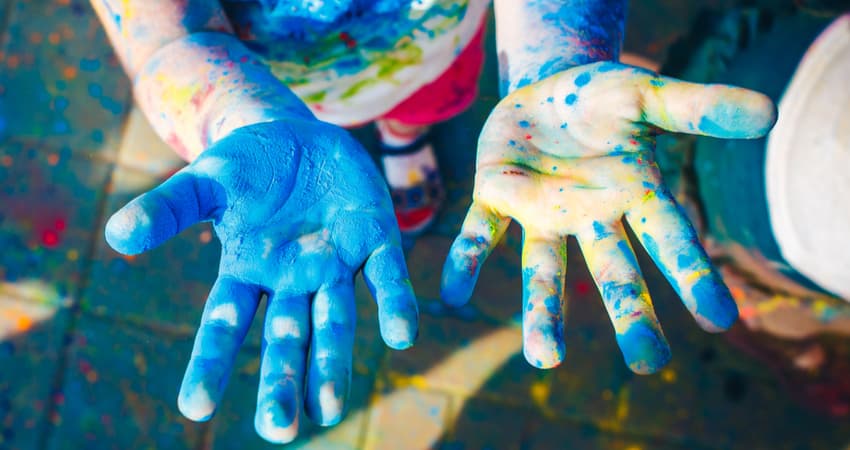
(711, 127)
(644, 350)
(582, 79)
(714, 302)
(600, 230)
(686, 260)
(571, 99)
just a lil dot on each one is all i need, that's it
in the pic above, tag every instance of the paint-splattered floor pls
(93, 345)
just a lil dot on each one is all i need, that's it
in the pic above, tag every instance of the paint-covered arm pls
(539, 38)
(194, 80)
(297, 204)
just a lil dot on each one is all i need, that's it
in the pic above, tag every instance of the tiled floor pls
(93, 344)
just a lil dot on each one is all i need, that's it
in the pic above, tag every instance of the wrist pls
(200, 88)
(538, 39)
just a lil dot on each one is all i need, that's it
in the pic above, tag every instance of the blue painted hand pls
(299, 209)
(574, 155)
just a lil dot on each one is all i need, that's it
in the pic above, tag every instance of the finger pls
(708, 109)
(673, 244)
(227, 316)
(386, 276)
(280, 395)
(329, 375)
(160, 214)
(479, 234)
(544, 268)
(615, 270)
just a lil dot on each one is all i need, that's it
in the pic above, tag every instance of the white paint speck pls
(285, 327)
(225, 313)
(330, 403)
(267, 247)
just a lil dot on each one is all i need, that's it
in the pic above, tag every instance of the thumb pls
(160, 214)
(714, 110)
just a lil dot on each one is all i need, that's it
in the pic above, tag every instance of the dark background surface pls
(93, 345)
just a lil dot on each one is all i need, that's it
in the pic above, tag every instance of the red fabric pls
(448, 95)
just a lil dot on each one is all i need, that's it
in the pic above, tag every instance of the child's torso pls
(353, 60)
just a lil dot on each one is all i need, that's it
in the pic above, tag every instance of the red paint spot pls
(49, 238)
(414, 218)
(513, 172)
(349, 41)
(59, 225)
(527, 137)
(244, 32)
(582, 287)
(633, 142)
(201, 96)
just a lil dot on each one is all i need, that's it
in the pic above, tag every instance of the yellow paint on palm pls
(573, 155)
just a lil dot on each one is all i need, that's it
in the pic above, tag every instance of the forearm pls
(200, 88)
(192, 78)
(538, 38)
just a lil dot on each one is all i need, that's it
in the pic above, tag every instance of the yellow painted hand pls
(574, 155)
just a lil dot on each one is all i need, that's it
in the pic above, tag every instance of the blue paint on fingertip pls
(276, 419)
(583, 79)
(398, 331)
(457, 286)
(714, 303)
(644, 349)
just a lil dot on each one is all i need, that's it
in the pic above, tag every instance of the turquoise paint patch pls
(711, 127)
(714, 302)
(583, 79)
(644, 350)
(687, 259)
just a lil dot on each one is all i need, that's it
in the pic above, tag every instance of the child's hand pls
(299, 209)
(574, 155)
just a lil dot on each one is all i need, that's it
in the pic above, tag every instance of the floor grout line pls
(52, 408)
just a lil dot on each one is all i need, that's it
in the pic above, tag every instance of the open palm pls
(299, 209)
(574, 155)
